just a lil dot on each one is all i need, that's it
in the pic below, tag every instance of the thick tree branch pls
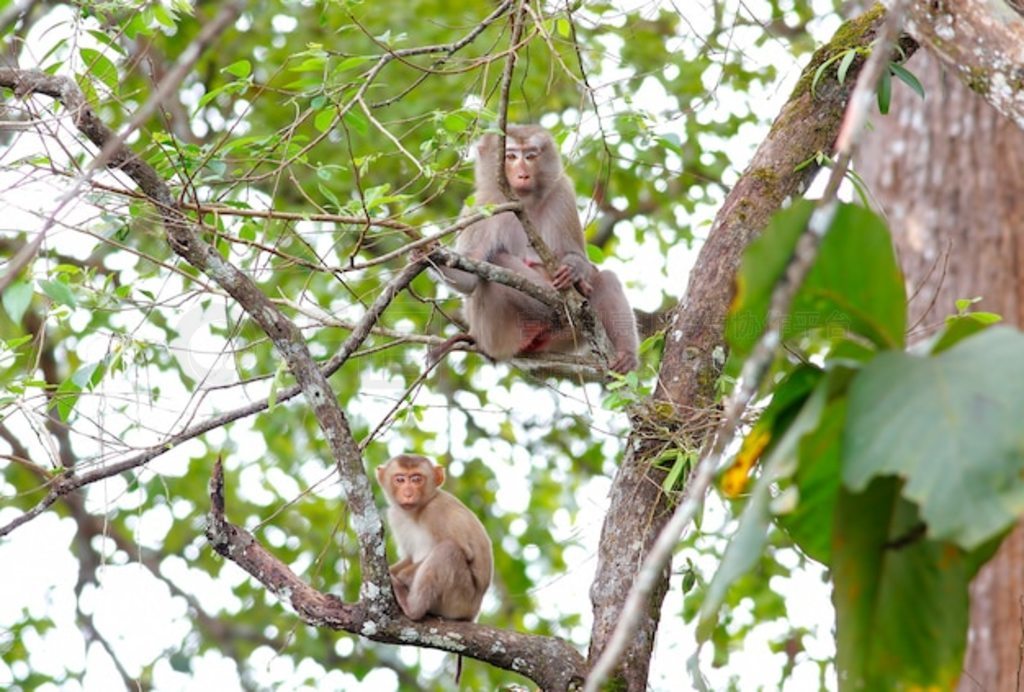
(980, 40)
(695, 347)
(550, 662)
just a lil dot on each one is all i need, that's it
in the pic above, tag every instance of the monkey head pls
(532, 162)
(410, 481)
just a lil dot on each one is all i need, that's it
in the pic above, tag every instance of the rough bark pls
(982, 41)
(695, 346)
(948, 173)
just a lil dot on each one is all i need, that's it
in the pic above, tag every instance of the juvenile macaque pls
(447, 562)
(505, 322)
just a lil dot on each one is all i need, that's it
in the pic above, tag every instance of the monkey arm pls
(461, 281)
(403, 567)
(576, 270)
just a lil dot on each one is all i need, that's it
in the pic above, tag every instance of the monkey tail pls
(445, 347)
(458, 669)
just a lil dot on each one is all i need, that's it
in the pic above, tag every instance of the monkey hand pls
(568, 275)
(624, 361)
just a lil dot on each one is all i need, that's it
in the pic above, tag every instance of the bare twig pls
(114, 144)
(62, 485)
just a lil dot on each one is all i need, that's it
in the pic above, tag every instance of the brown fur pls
(503, 321)
(447, 560)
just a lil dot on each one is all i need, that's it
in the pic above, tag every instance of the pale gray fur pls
(503, 321)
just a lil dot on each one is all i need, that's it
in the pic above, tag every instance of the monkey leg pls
(443, 585)
(404, 571)
(612, 308)
(401, 590)
(506, 322)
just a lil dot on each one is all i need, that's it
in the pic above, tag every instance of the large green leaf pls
(747, 544)
(854, 286)
(901, 600)
(817, 482)
(764, 261)
(950, 425)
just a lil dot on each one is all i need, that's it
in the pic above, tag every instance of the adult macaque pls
(447, 562)
(505, 322)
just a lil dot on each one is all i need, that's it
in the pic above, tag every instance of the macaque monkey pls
(505, 322)
(447, 563)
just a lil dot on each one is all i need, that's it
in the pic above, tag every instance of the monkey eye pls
(416, 479)
(511, 156)
(531, 155)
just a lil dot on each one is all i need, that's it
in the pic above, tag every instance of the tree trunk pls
(948, 173)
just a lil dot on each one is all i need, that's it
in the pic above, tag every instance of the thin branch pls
(548, 258)
(758, 364)
(186, 241)
(390, 137)
(113, 145)
(462, 223)
(64, 484)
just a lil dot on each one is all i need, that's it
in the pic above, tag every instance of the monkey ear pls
(380, 473)
(439, 476)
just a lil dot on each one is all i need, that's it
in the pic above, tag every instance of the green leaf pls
(456, 122)
(854, 286)
(16, 300)
(58, 291)
(358, 123)
(907, 77)
(959, 327)
(817, 481)
(748, 542)
(324, 119)
(844, 65)
(884, 92)
(681, 463)
(764, 261)
(349, 63)
(563, 27)
(595, 254)
(100, 66)
(13, 344)
(950, 425)
(240, 69)
(900, 600)
(83, 377)
(313, 64)
(163, 16)
(276, 384)
(66, 397)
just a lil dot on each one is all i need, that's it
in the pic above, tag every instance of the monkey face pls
(521, 167)
(410, 489)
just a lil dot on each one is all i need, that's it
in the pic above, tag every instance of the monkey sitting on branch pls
(505, 322)
(446, 557)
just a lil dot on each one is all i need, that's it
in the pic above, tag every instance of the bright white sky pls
(142, 620)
